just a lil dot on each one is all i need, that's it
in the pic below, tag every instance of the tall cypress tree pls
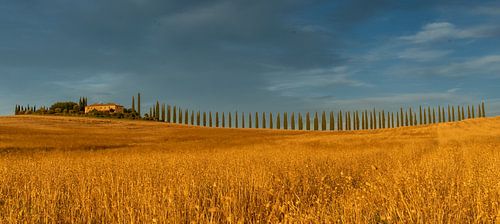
(186, 117)
(463, 113)
(468, 112)
(250, 120)
(204, 119)
(138, 104)
(316, 122)
(210, 123)
(278, 121)
(198, 118)
(301, 122)
(392, 119)
(216, 119)
(236, 119)
(264, 120)
(157, 111)
(174, 116)
(439, 114)
(323, 121)
(479, 110)
(230, 120)
(271, 120)
(192, 117)
(482, 109)
(308, 121)
(133, 104)
(433, 116)
(406, 118)
(163, 112)
(472, 109)
(332, 121)
(256, 119)
(179, 121)
(223, 120)
(452, 113)
(459, 118)
(411, 117)
(285, 120)
(242, 119)
(339, 120)
(292, 120)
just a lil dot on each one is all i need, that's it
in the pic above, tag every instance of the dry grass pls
(99, 171)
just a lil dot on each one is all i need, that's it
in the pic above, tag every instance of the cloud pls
(439, 31)
(420, 54)
(289, 81)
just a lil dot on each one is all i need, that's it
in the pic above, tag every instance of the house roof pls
(104, 104)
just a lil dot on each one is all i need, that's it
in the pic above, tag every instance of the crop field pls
(83, 170)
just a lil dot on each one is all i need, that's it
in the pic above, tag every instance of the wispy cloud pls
(447, 31)
(313, 78)
(99, 84)
(421, 54)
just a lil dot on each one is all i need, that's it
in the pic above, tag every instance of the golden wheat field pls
(81, 170)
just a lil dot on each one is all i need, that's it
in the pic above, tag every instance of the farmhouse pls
(109, 107)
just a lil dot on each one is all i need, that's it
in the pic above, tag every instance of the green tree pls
(192, 118)
(162, 112)
(285, 120)
(139, 104)
(332, 121)
(256, 120)
(242, 119)
(236, 119)
(472, 109)
(316, 122)
(133, 104)
(339, 120)
(204, 119)
(230, 120)
(186, 117)
(250, 120)
(198, 118)
(264, 120)
(301, 122)
(292, 121)
(271, 120)
(482, 109)
(210, 119)
(174, 116)
(278, 121)
(216, 119)
(308, 121)
(223, 120)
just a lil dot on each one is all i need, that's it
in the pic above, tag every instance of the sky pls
(259, 55)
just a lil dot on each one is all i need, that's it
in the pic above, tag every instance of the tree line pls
(317, 121)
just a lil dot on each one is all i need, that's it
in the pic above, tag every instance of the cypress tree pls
(242, 119)
(133, 104)
(204, 119)
(420, 114)
(271, 120)
(449, 113)
(425, 117)
(186, 117)
(392, 119)
(433, 121)
(174, 116)
(397, 119)
(463, 113)
(347, 121)
(406, 118)
(198, 119)
(151, 114)
(278, 121)
(179, 121)
(216, 119)
(479, 110)
(163, 112)
(138, 104)
(439, 114)
(472, 109)
(308, 121)
(264, 120)
(380, 120)
(371, 120)
(293, 121)
(482, 109)
(223, 120)
(323, 121)
(192, 117)
(468, 112)
(301, 122)
(285, 120)
(169, 113)
(402, 116)
(459, 118)
(249, 120)
(256, 120)
(210, 123)
(452, 113)
(411, 117)
(414, 117)
(388, 120)
(315, 121)
(332, 121)
(236, 119)
(157, 111)
(339, 120)
(230, 120)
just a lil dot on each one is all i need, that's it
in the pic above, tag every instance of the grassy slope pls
(78, 169)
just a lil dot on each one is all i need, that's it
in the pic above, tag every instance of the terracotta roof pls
(105, 104)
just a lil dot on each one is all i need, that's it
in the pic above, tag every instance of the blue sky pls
(226, 55)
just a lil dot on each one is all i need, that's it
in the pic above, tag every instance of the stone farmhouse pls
(108, 107)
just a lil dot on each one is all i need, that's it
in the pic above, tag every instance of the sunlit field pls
(82, 170)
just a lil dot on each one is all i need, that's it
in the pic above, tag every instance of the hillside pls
(64, 169)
